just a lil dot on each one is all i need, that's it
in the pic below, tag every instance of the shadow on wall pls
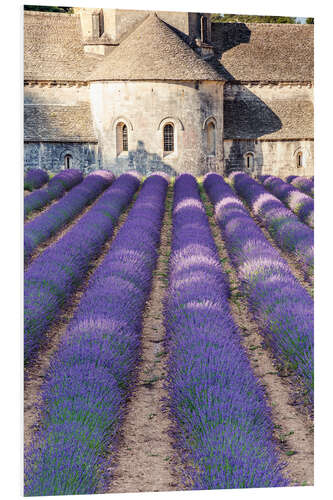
(246, 116)
(46, 122)
(238, 154)
(140, 160)
(229, 35)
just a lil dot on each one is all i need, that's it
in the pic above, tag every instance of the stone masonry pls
(237, 96)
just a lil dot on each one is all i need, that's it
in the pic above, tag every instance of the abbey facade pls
(171, 91)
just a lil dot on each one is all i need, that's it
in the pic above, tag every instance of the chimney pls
(97, 29)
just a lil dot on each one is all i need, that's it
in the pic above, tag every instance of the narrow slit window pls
(101, 23)
(204, 29)
(122, 138)
(299, 160)
(68, 161)
(211, 139)
(168, 138)
(97, 24)
(249, 161)
(125, 138)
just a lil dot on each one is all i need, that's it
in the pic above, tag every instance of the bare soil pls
(35, 374)
(67, 227)
(146, 459)
(293, 427)
(36, 213)
(292, 261)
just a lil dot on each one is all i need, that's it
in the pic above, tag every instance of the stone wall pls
(145, 107)
(67, 95)
(50, 156)
(270, 157)
(268, 111)
(274, 122)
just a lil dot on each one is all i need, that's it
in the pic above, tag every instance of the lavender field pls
(168, 333)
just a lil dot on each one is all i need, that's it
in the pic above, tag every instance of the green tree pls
(41, 8)
(238, 18)
(309, 20)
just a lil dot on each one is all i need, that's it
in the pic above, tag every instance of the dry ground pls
(145, 459)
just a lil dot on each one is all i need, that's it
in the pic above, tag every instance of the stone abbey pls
(171, 91)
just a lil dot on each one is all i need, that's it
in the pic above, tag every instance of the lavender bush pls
(55, 274)
(54, 190)
(35, 178)
(304, 184)
(54, 219)
(223, 422)
(89, 377)
(285, 228)
(300, 203)
(281, 306)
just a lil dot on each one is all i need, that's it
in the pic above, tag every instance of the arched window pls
(211, 138)
(168, 138)
(122, 138)
(249, 161)
(125, 138)
(68, 161)
(299, 159)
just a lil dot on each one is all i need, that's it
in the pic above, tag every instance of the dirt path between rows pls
(146, 460)
(292, 261)
(67, 227)
(293, 428)
(35, 374)
(36, 213)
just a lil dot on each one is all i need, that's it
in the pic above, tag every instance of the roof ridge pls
(262, 24)
(171, 58)
(49, 14)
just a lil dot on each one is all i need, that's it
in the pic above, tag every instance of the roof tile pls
(153, 51)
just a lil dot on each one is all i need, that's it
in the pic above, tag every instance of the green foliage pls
(238, 18)
(46, 8)
(309, 20)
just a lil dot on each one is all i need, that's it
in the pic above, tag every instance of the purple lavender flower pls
(223, 423)
(300, 203)
(35, 178)
(281, 306)
(304, 184)
(55, 274)
(285, 228)
(86, 386)
(51, 221)
(55, 189)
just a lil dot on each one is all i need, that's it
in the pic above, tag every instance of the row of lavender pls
(285, 228)
(304, 184)
(50, 222)
(300, 203)
(35, 178)
(222, 419)
(55, 189)
(281, 306)
(54, 275)
(90, 375)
